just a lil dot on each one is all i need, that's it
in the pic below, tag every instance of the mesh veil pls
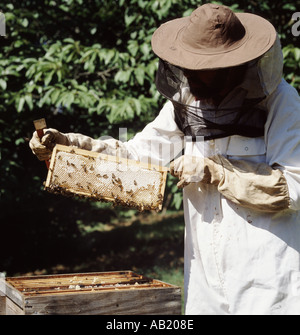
(194, 118)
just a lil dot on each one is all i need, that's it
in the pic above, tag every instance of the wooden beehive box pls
(104, 293)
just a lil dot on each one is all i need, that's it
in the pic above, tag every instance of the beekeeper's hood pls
(243, 39)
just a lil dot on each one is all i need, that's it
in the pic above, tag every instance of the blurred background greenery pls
(87, 66)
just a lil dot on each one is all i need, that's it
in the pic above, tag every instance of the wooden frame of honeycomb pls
(100, 177)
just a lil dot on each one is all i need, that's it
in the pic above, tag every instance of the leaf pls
(140, 75)
(3, 84)
(31, 71)
(138, 106)
(129, 110)
(89, 64)
(21, 104)
(109, 56)
(177, 200)
(48, 77)
(28, 99)
(145, 48)
(297, 54)
(130, 18)
(69, 99)
(38, 76)
(46, 97)
(19, 141)
(86, 54)
(54, 96)
(59, 75)
(69, 40)
(93, 31)
(70, 57)
(123, 75)
(25, 22)
(133, 47)
(52, 50)
(81, 88)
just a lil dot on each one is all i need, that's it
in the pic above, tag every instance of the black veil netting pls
(196, 119)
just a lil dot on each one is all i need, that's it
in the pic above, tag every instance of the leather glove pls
(42, 148)
(192, 169)
(254, 185)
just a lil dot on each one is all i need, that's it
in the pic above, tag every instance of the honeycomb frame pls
(106, 178)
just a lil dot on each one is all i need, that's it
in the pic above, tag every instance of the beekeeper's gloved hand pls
(192, 169)
(254, 185)
(43, 147)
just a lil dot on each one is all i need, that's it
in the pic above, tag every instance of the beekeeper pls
(238, 124)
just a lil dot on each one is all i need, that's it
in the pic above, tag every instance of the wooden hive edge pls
(156, 298)
(113, 302)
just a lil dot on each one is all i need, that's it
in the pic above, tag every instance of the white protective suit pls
(239, 260)
(242, 238)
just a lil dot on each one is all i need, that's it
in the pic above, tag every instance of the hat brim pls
(260, 37)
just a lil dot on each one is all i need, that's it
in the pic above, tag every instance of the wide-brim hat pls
(213, 37)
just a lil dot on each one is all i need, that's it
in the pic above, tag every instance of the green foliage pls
(86, 66)
(291, 56)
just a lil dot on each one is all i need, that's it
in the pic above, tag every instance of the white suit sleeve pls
(283, 137)
(160, 141)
